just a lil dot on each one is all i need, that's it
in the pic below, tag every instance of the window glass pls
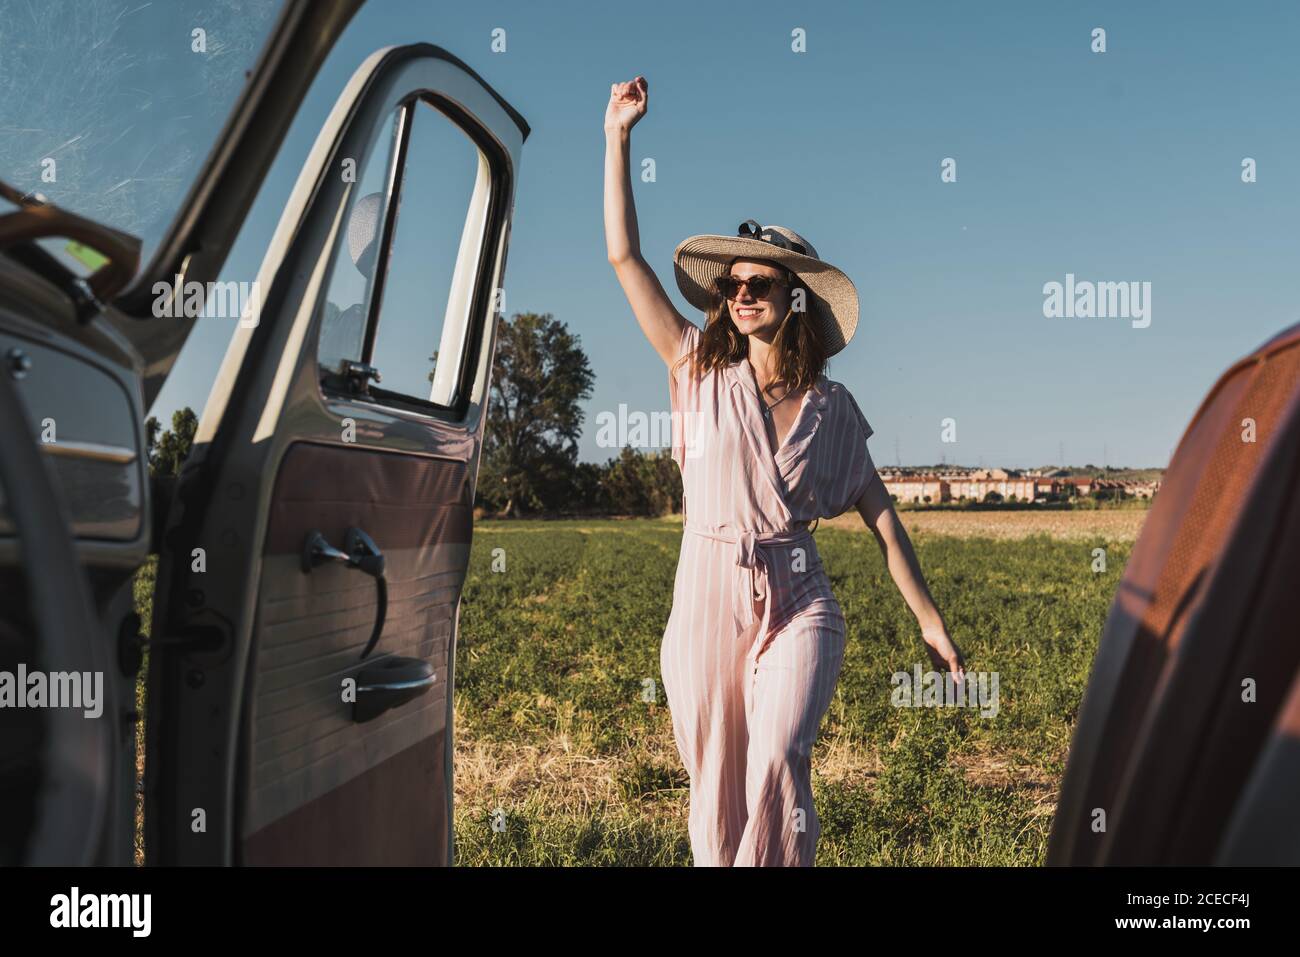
(347, 302)
(111, 107)
(433, 261)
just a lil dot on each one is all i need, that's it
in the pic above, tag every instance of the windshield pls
(110, 107)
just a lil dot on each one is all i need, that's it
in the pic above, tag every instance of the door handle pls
(389, 683)
(360, 552)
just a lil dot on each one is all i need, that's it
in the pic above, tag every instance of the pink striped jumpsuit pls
(755, 640)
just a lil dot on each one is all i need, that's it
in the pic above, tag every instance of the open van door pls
(83, 357)
(310, 575)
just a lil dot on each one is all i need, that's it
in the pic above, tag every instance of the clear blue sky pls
(1122, 166)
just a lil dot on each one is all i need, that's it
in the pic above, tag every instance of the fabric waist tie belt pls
(749, 554)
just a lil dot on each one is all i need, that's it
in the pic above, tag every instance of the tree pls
(530, 451)
(168, 452)
(586, 490)
(639, 484)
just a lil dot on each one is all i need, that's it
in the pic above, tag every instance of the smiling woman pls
(120, 103)
(754, 643)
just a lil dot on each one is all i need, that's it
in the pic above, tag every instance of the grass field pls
(560, 760)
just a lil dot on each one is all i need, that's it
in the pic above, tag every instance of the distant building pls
(918, 488)
(978, 486)
(974, 485)
(1145, 489)
(1079, 486)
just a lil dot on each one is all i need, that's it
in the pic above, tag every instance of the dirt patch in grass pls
(1117, 525)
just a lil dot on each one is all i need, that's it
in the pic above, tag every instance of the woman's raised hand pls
(627, 104)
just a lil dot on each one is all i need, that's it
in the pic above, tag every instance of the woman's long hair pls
(801, 354)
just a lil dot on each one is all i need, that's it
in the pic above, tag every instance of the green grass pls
(145, 580)
(564, 749)
(556, 650)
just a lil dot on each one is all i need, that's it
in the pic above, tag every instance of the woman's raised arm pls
(658, 318)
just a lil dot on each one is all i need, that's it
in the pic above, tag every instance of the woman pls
(766, 445)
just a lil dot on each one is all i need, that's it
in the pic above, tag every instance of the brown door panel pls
(308, 769)
(354, 815)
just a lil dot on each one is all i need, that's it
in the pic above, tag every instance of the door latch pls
(358, 375)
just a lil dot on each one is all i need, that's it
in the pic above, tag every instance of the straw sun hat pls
(699, 260)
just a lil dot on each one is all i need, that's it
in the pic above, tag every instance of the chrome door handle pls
(318, 550)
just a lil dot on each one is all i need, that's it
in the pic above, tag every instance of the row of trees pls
(634, 483)
(540, 375)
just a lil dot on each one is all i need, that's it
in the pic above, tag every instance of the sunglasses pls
(750, 229)
(759, 286)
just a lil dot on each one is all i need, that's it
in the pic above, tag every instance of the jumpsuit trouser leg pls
(791, 688)
(745, 724)
(702, 661)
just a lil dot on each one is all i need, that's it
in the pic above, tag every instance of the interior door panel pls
(310, 631)
(90, 434)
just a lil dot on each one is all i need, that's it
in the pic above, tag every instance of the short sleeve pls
(683, 391)
(861, 469)
(867, 430)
